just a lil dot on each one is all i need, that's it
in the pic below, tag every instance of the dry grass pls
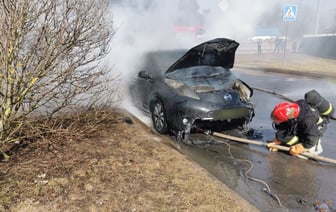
(118, 167)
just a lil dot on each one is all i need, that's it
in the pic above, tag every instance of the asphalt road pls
(272, 181)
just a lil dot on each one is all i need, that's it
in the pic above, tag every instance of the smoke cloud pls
(145, 25)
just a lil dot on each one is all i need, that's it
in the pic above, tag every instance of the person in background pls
(300, 125)
(276, 45)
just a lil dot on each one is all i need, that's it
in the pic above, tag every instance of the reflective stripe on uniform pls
(292, 140)
(320, 120)
(329, 110)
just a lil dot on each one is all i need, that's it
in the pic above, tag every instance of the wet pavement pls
(272, 181)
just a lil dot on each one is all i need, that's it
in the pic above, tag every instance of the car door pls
(142, 89)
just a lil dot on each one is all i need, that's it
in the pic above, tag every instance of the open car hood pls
(216, 52)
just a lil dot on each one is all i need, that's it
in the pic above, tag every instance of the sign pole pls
(317, 17)
(285, 44)
(289, 14)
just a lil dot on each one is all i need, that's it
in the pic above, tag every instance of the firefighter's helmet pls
(285, 111)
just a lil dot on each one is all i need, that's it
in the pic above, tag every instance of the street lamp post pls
(317, 17)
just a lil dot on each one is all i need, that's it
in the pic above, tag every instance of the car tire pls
(159, 117)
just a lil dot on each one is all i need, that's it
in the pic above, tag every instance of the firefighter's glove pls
(274, 142)
(296, 149)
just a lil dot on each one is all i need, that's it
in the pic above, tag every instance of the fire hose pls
(281, 96)
(280, 147)
(261, 143)
(283, 148)
(274, 93)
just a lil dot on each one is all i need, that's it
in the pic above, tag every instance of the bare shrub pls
(50, 58)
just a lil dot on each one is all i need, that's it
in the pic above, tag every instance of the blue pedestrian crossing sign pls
(289, 12)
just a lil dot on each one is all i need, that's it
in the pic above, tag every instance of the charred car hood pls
(216, 52)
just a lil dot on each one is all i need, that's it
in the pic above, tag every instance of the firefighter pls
(298, 126)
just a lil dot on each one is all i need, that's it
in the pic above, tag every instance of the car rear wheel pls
(159, 117)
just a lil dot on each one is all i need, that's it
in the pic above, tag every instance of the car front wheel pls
(159, 117)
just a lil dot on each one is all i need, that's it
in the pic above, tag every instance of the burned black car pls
(184, 90)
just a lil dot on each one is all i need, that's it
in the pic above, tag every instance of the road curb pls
(310, 73)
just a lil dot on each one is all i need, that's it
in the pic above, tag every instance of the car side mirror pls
(144, 74)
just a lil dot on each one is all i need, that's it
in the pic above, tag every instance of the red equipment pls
(284, 111)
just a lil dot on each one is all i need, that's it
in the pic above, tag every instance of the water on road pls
(272, 181)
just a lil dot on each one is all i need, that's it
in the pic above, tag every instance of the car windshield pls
(204, 78)
(159, 61)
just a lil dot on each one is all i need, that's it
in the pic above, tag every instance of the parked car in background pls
(191, 89)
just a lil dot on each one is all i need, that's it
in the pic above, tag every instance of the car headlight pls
(181, 88)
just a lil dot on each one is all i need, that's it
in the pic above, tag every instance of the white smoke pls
(145, 25)
(235, 19)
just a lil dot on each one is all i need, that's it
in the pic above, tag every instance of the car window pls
(200, 71)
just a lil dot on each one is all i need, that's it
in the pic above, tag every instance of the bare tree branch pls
(49, 57)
